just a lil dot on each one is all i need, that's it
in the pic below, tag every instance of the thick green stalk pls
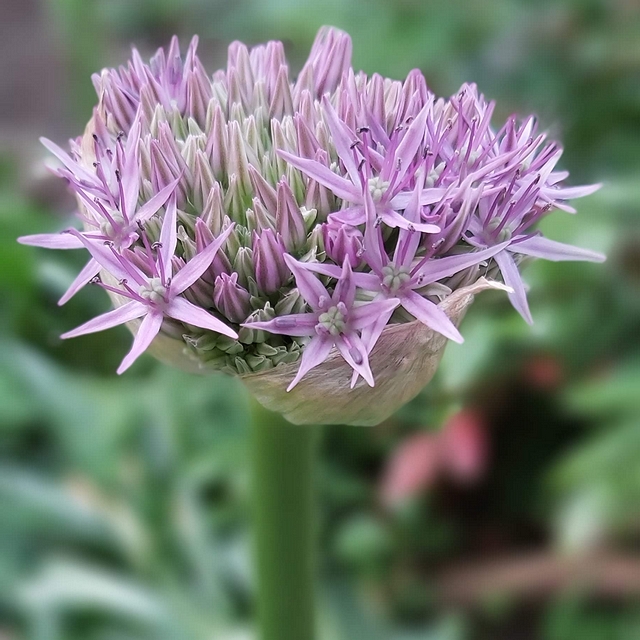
(284, 525)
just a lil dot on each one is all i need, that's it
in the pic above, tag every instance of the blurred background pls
(503, 503)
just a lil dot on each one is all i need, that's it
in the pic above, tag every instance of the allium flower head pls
(320, 235)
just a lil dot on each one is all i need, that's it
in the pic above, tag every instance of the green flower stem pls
(284, 525)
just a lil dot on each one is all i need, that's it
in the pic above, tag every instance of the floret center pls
(394, 278)
(333, 320)
(154, 291)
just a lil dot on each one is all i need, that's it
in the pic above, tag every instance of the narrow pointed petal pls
(103, 254)
(374, 251)
(345, 290)
(569, 193)
(125, 313)
(366, 281)
(183, 310)
(310, 288)
(294, 324)
(434, 270)
(370, 333)
(51, 241)
(410, 144)
(89, 271)
(428, 196)
(430, 315)
(393, 219)
(409, 241)
(147, 331)
(340, 187)
(169, 236)
(539, 247)
(512, 278)
(314, 354)
(353, 216)
(343, 138)
(352, 349)
(199, 264)
(368, 314)
(152, 206)
(75, 168)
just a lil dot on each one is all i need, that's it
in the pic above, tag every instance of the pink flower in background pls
(465, 446)
(459, 452)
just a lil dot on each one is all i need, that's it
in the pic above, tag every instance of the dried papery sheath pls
(318, 236)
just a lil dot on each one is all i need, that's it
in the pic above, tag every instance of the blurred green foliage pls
(123, 502)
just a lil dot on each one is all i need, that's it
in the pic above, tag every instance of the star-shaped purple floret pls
(387, 188)
(335, 320)
(401, 276)
(112, 214)
(155, 294)
(507, 220)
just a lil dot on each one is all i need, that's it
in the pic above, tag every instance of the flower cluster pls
(260, 220)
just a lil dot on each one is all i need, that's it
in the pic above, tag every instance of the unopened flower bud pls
(232, 300)
(243, 265)
(342, 242)
(289, 221)
(249, 335)
(292, 302)
(270, 268)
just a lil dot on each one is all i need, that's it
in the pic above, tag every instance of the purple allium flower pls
(307, 221)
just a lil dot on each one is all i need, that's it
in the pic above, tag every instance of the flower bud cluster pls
(261, 220)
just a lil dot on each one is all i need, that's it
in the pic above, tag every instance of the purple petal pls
(125, 313)
(374, 251)
(430, 315)
(366, 281)
(342, 137)
(370, 334)
(345, 290)
(409, 241)
(355, 353)
(539, 247)
(150, 207)
(310, 288)
(183, 310)
(393, 219)
(89, 271)
(131, 168)
(315, 353)
(569, 193)
(76, 169)
(352, 216)
(323, 268)
(428, 196)
(169, 236)
(340, 187)
(294, 324)
(512, 279)
(103, 254)
(51, 241)
(407, 149)
(147, 331)
(368, 314)
(436, 269)
(198, 264)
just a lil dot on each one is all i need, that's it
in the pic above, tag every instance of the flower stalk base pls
(284, 525)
